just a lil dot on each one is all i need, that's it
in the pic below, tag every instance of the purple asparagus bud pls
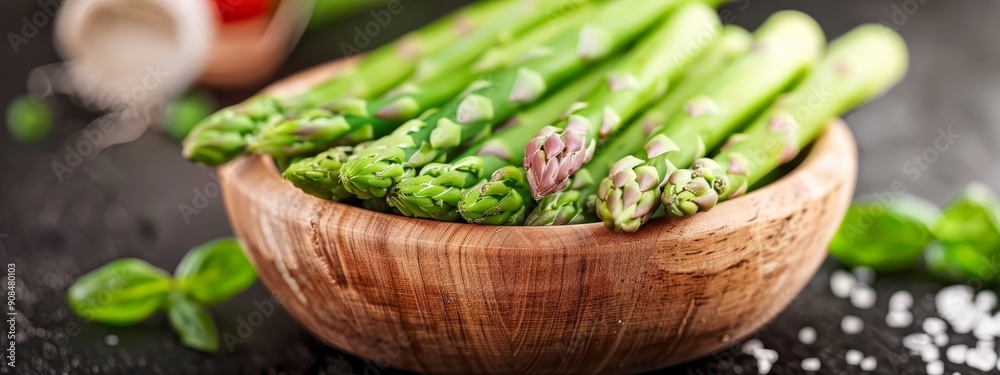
(553, 156)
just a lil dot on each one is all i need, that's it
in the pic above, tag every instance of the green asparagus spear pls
(436, 191)
(577, 203)
(633, 82)
(558, 152)
(733, 43)
(500, 201)
(222, 136)
(785, 46)
(419, 142)
(440, 78)
(320, 175)
(389, 65)
(859, 66)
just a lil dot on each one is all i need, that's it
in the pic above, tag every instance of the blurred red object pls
(239, 10)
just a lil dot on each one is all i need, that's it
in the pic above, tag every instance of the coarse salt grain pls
(810, 364)
(869, 363)
(930, 353)
(863, 296)
(986, 329)
(899, 319)
(934, 326)
(765, 359)
(900, 300)
(954, 303)
(854, 357)
(935, 368)
(807, 335)
(852, 325)
(916, 341)
(751, 346)
(841, 283)
(986, 300)
(941, 340)
(981, 358)
(956, 354)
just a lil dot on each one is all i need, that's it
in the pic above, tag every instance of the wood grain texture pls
(450, 298)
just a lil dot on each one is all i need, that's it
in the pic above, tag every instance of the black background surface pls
(124, 202)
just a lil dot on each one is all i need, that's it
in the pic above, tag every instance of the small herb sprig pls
(128, 291)
(891, 234)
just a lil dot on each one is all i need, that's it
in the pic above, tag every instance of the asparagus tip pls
(554, 156)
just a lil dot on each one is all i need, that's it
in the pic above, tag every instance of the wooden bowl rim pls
(816, 174)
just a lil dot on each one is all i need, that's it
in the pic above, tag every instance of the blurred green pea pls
(28, 119)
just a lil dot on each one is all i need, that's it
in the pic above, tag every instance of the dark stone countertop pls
(124, 202)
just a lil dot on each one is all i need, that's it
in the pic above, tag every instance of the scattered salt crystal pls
(764, 367)
(986, 329)
(807, 335)
(916, 341)
(953, 302)
(810, 364)
(111, 340)
(862, 296)
(864, 274)
(934, 326)
(962, 324)
(941, 340)
(765, 359)
(751, 346)
(899, 319)
(987, 344)
(852, 325)
(956, 354)
(986, 300)
(900, 300)
(935, 368)
(981, 358)
(930, 353)
(841, 283)
(869, 363)
(854, 357)
(766, 355)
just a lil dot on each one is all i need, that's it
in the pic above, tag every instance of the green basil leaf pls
(972, 218)
(123, 292)
(887, 237)
(215, 271)
(961, 262)
(192, 323)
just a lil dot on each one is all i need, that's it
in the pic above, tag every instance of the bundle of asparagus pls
(555, 113)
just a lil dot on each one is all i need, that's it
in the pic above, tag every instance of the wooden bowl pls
(449, 298)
